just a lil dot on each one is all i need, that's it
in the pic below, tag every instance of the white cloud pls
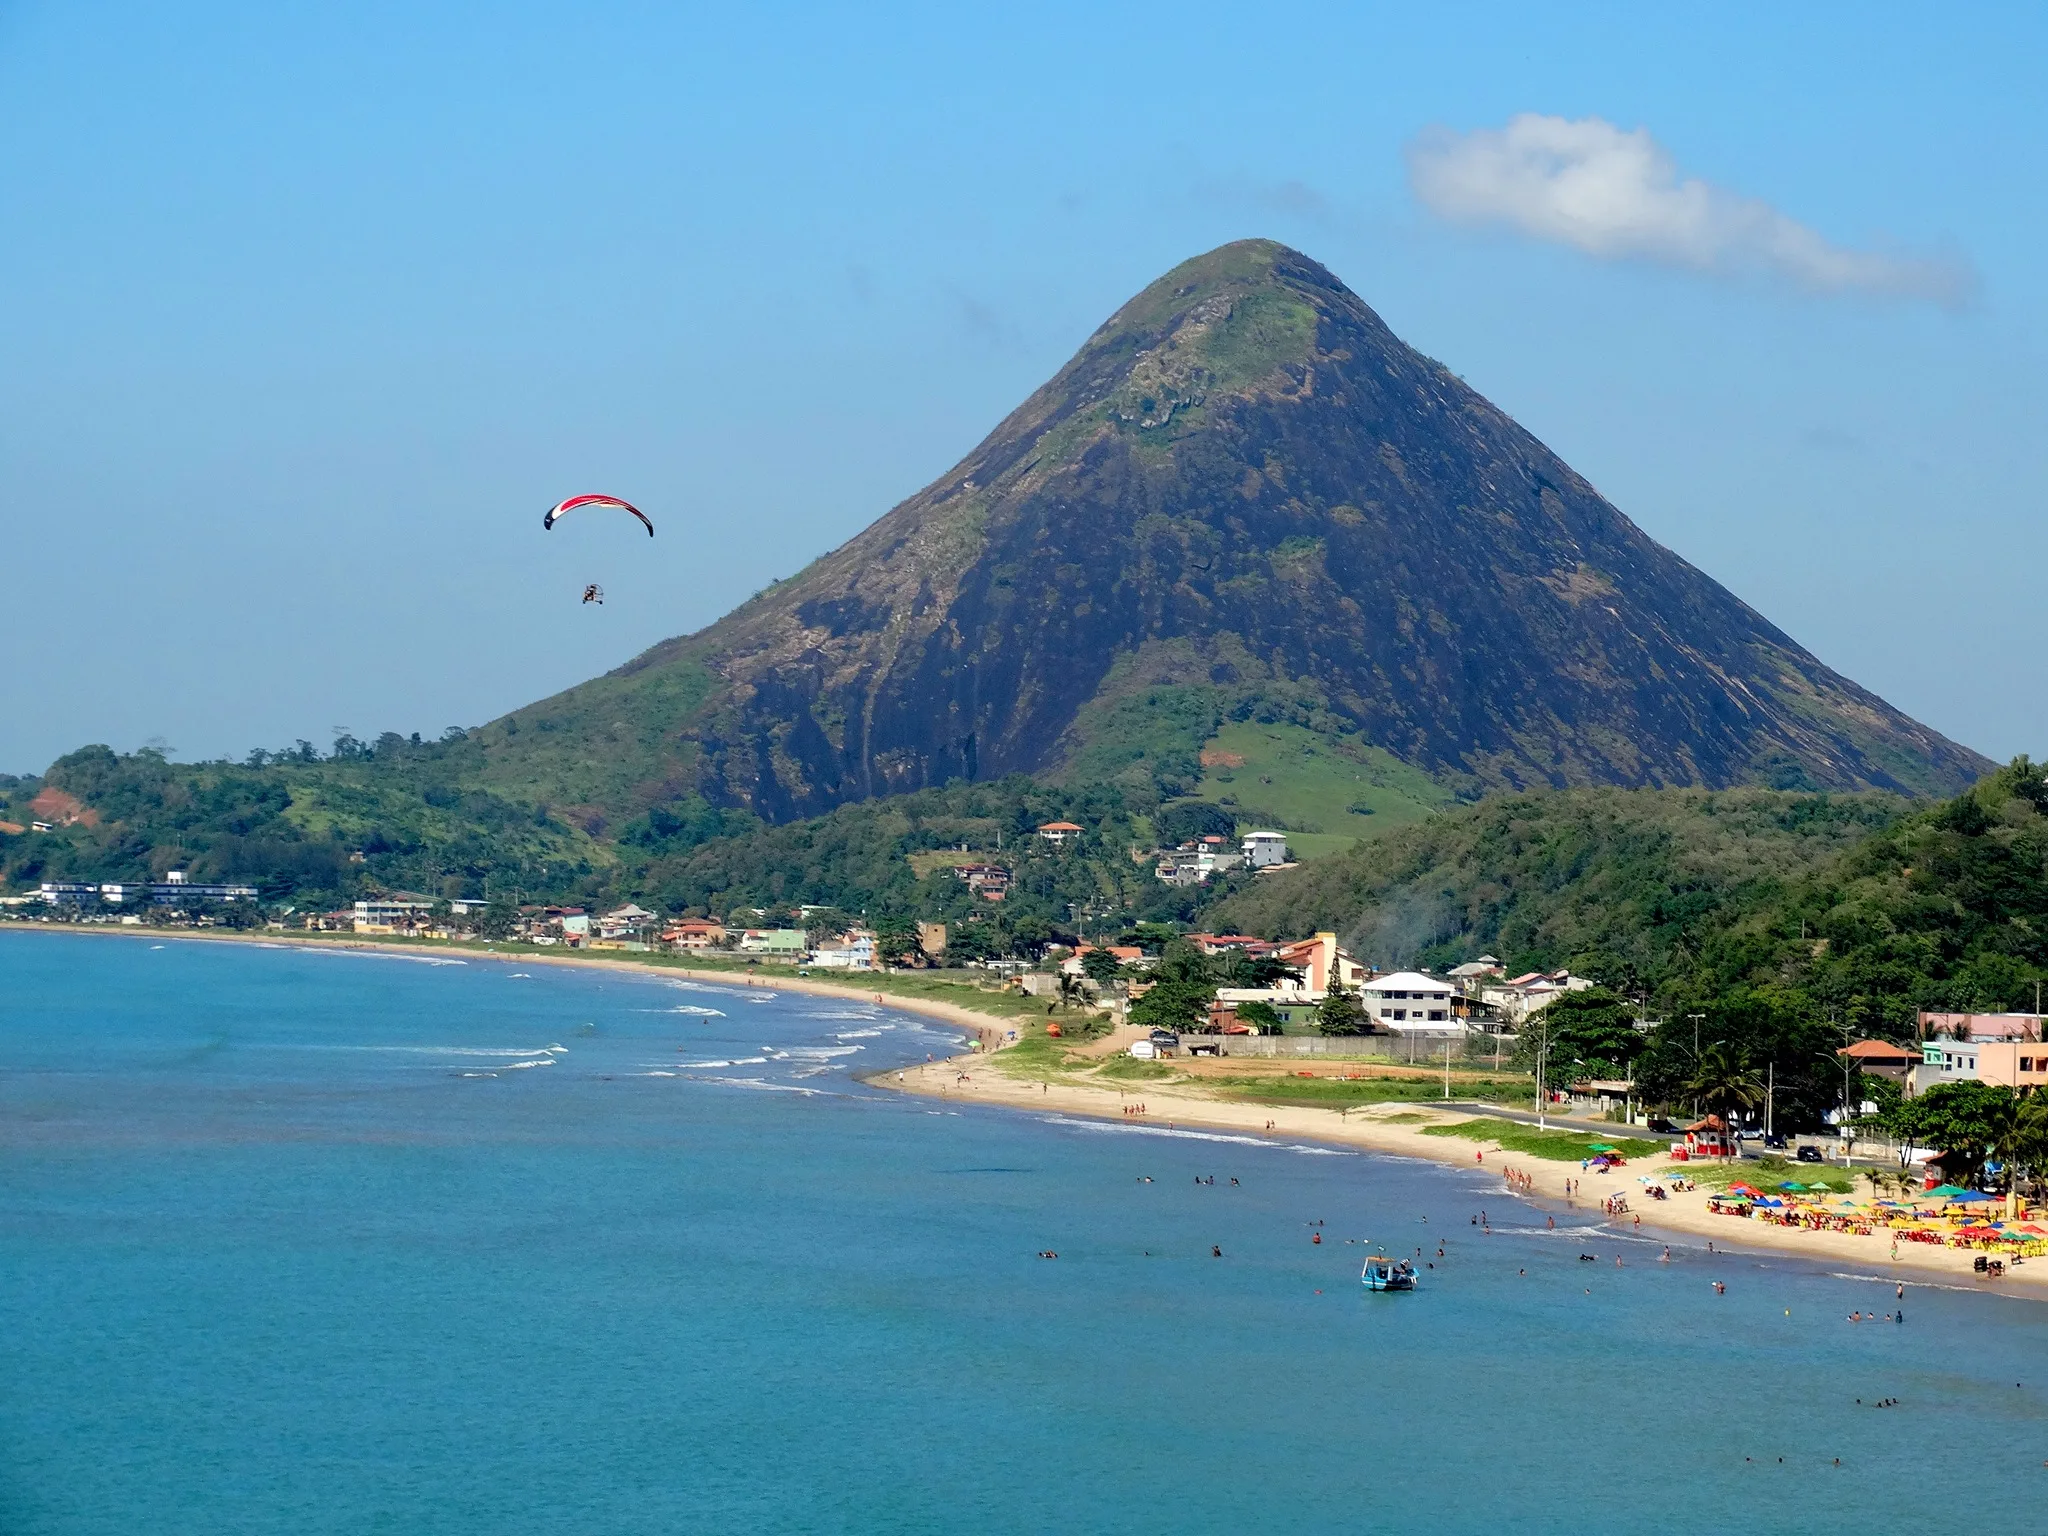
(1618, 195)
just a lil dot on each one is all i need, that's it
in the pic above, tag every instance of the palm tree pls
(1072, 990)
(1723, 1080)
(2021, 1136)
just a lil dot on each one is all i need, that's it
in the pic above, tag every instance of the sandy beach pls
(1393, 1129)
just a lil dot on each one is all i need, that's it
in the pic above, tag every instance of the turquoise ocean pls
(303, 1241)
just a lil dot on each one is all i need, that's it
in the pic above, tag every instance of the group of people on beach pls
(1521, 1183)
(1134, 1109)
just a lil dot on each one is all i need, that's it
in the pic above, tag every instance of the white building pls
(626, 922)
(853, 951)
(393, 913)
(1408, 1002)
(1262, 850)
(1194, 863)
(1520, 999)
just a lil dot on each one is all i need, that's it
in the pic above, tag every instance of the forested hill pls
(1760, 909)
(1620, 884)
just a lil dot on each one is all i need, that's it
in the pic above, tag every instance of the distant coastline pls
(978, 1078)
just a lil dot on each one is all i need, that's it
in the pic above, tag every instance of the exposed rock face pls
(1245, 469)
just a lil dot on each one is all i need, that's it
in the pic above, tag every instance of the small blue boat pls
(1384, 1274)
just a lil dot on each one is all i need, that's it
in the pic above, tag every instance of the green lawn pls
(1767, 1173)
(1314, 785)
(1342, 1092)
(1555, 1146)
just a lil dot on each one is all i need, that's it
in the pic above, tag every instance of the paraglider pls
(575, 502)
(594, 593)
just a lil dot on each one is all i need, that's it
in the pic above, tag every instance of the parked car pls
(1810, 1154)
(1775, 1143)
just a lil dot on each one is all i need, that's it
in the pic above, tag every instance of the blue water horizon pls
(302, 1240)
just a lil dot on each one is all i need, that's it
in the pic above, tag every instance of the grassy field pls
(1555, 1146)
(1332, 793)
(1768, 1173)
(1344, 1092)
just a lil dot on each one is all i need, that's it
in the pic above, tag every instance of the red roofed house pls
(1060, 833)
(1882, 1058)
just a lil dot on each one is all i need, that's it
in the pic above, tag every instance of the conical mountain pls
(1244, 499)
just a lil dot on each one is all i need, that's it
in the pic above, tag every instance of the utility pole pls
(1696, 1020)
(1447, 1068)
(1542, 1055)
(1770, 1096)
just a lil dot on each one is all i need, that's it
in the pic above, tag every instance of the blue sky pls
(307, 313)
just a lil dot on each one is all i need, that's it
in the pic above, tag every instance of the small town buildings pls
(931, 939)
(1410, 1003)
(1882, 1059)
(1213, 944)
(694, 935)
(627, 922)
(68, 893)
(1521, 998)
(1474, 974)
(1982, 1026)
(1060, 833)
(1316, 963)
(991, 882)
(2014, 1063)
(173, 890)
(1126, 954)
(1263, 850)
(394, 912)
(853, 950)
(774, 943)
(1194, 862)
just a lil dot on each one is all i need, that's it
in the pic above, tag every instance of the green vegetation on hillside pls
(301, 827)
(1614, 882)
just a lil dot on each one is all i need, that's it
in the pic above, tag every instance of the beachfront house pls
(2014, 1063)
(627, 922)
(774, 943)
(1315, 964)
(1410, 1003)
(394, 912)
(694, 935)
(853, 950)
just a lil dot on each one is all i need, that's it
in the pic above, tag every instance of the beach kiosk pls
(1710, 1138)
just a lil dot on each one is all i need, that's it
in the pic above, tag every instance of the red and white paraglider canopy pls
(595, 501)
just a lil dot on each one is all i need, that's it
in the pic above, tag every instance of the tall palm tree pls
(2021, 1132)
(1724, 1081)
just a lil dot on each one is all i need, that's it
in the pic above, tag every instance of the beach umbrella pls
(1793, 1184)
(1970, 1197)
(1600, 1146)
(1946, 1192)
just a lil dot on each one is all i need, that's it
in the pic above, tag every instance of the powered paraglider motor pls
(594, 594)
